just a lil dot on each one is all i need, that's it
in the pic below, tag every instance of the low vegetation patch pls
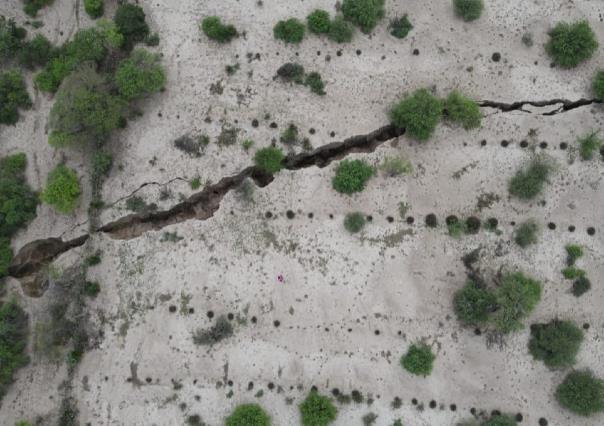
(269, 159)
(526, 233)
(354, 222)
(317, 410)
(395, 166)
(289, 31)
(62, 189)
(582, 393)
(31, 7)
(219, 331)
(571, 43)
(248, 415)
(13, 342)
(528, 182)
(363, 13)
(556, 343)
(418, 360)
(351, 176)
(315, 82)
(418, 114)
(214, 29)
(468, 10)
(400, 27)
(589, 144)
(474, 303)
(294, 73)
(13, 96)
(581, 286)
(517, 296)
(598, 85)
(462, 110)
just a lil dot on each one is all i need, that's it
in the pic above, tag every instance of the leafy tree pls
(597, 85)
(31, 7)
(528, 181)
(215, 30)
(289, 31)
(527, 233)
(130, 21)
(473, 303)
(248, 415)
(363, 13)
(84, 109)
(139, 75)
(556, 343)
(517, 296)
(582, 393)
(418, 360)
(269, 159)
(400, 27)
(17, 201)
(317, 410)
(351, 176)
(6, 257)
(62, 189)
(318, 21)
(36, 52)
(340, 30)
(463, 110)
(13, 342)
(589, 144)
(94, 8)
(354, 222)
(418, 114)
(571, 44)
(468, 10)
(13, 96)
(11, 38)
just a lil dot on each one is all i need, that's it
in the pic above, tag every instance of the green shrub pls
(6, 257)
(290, 135)
(400, 27)
(139, 75)
(130, 21)
(17, 201)
(500, 420)
(340, 30)
(248, 415)
(468, 10)
(318, 21)
(456, 228)
(314, 81)
(91, 289)
(418, 360)
(517, 296)
(581, 286)
(11, 38)
(354, 222)
(463, 110)
(13, 342)
(351, 176)
(573, 252)
(598, 85)
(582, 393)
(290, 31)
(36, 52)
(527, 233)
(418, 114)
(572, 272)
(528, 181)
(571, 44)
(269, 159)
(291, 72)
(13, 96)
(556, 343)
(31, 7)
(215, 30)
(111, 35)
(195, 183)
(363, 13)
(317, 410)
(589, 144)
(395, 166)
(219, 331)
(62, 189)
(84, 110)
(473, 304)
(94, 8)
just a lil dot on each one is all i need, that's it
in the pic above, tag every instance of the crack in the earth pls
(563, 105)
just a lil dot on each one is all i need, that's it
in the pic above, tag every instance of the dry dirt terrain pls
(349, 305)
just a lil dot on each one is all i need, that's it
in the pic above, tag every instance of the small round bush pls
(556, 343)
(528, 181)
(598, 85)
(473, 304)
(139, 75)
(292, 72)
(517, 296)
(248, 415)
(62, 189)
(418, 114)
(363, 13)
(318, 21)
(13, 96)
(340, 30)
(31, 7)
(317, 410)
(130, 21)
(468, 10)
(526, 234)
(582, 393)
(571, 44)
(290, 31)
(215, 30)
(269, 159)
(463, 110)
(418, 360)
(354, 222)
(581, 286)
(351, 176)
(94, 8)
(589, 144)
(400, 27)
(315, 82)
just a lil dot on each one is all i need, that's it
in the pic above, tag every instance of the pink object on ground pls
(280, 278)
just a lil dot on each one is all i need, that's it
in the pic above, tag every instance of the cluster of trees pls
(13, 342)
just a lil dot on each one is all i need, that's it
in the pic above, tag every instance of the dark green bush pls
(581, 286)
(219, 331)
(571, 44)
(318, 21)
(289, 31)
(130, 21)
(462, 110)
(340, 30)
(6, 257)
(36, 52)
(13, 342)
(500, 420)
(314, 81)
(11, 38)
(139, 75)
(418, 360)
(528, 181)
(351, 176)
(354, 222)
(248, 415)
(291, 72)
(572, 272)
(269, 159)
(91, 289)
(17, 201)
(527, 233)
(31, 7)
(556, 343)
(589, 144)
(418, 114)
(13, 96)
(317, 410)
(363, 13)
(215, 30)
(598, 85)
(290, 135)
(62, 189)
(400, 27)
(517, 296)
(573, 252)
(468, 10)
(473, 304)
(582, 393)
(94, 8)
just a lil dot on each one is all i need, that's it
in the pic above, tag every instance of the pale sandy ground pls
(393, 277)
